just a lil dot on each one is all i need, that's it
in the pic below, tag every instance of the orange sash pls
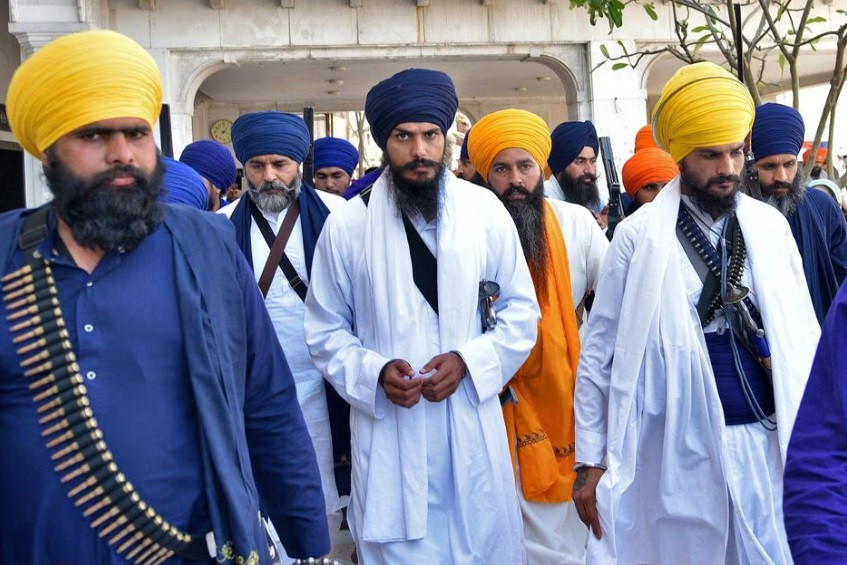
(541, 426)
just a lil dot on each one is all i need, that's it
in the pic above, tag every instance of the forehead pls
(117, 124)
(513, 155)
(270, 159)
(587, 152)
(330, 171)
(784, 158)
(416, 127)
(726, 148)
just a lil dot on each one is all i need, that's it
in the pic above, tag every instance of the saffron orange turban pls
(702, 105)
(644, 138)
(79, 79)
(648, 166)
(506, 129)
(821, 156)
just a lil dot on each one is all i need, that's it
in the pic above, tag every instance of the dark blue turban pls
(569, 139)
(413, 95)
(463, 154)
(183, 185)
(212, 160)
(777, 130)
(335, 152)
(270, 133)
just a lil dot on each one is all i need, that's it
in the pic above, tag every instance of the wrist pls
(380, 380)
(462, 359)
(580, 466)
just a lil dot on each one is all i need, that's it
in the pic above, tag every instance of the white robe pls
(647, 404)
(286, 311)
(433, 483)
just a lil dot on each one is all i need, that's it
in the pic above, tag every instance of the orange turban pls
(822, 154)
(648, 166)
(644, 138)
(80, 79)
(506, 129)
(702, 105)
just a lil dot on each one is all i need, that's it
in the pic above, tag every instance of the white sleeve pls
(591, 396)
(336, 351)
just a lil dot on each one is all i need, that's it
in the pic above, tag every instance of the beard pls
(100, 215)
(581, 190)
(786, 203)
(415, 197)
(528, 215)
(275, 196)
(713, 204)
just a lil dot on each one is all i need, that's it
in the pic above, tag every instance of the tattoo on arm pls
(581, 479)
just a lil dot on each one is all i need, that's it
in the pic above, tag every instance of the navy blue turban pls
(335, 152)
(212, 160)
(569, 139)
(183, 185)
(463, 154)
(777, 130)
(270, 133)
(413, 95)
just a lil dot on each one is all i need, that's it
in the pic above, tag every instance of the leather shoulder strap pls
(278, 249)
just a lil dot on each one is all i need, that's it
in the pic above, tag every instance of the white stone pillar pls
(618, 102)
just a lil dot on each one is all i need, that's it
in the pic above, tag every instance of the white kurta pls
(586, 244)
(286, 311)
(647, 403)
(433, 483)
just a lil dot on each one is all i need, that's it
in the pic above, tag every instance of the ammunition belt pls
(734, 270)
(77, 445)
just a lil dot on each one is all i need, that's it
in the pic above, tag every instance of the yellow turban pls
(506, 129)
(702, 105)
(79, 79)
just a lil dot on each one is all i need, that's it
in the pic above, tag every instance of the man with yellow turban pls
(401, 319)
(172, 446)
(696, 353)
(564, 248)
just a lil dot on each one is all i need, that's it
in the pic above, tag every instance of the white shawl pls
(646, 400)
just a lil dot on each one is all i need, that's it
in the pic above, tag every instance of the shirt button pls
(90, 375)
(88, 328)
(89, 284)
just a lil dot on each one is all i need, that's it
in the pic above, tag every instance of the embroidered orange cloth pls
(541, 426)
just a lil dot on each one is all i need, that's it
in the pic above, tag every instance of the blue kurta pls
(819, 228)
(190, 388)
(815, 485)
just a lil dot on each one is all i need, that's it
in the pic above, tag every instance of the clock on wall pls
(221, 131)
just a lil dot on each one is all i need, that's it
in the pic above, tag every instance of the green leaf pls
(651, 11)
(604, 50)
(815, 20)
(702, 40)
(623, 47)
(782, 9)
(781, 62)
(699, 29)
(618, 66)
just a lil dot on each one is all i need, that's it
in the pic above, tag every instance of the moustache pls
(273, 185)
(587, 178)
(414, 164)
(777, 185)
(515, 189)
(118, 171)
(720, 179)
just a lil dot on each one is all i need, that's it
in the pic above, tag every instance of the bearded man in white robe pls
(684, 406)
(400, 335)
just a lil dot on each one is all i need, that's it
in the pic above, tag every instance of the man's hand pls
(602, 218)
(400, 386)
(450, 368)
(585, 497)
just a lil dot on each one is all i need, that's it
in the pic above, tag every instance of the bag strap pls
(277, 256)
(424, 263)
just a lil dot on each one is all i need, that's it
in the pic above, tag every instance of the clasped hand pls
(404, 387)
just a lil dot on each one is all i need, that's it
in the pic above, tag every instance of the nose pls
(119, 150)
(780, 174)
(268, 173)
(515, 177)
(590, 168)
(726, 166)
(418, 147)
